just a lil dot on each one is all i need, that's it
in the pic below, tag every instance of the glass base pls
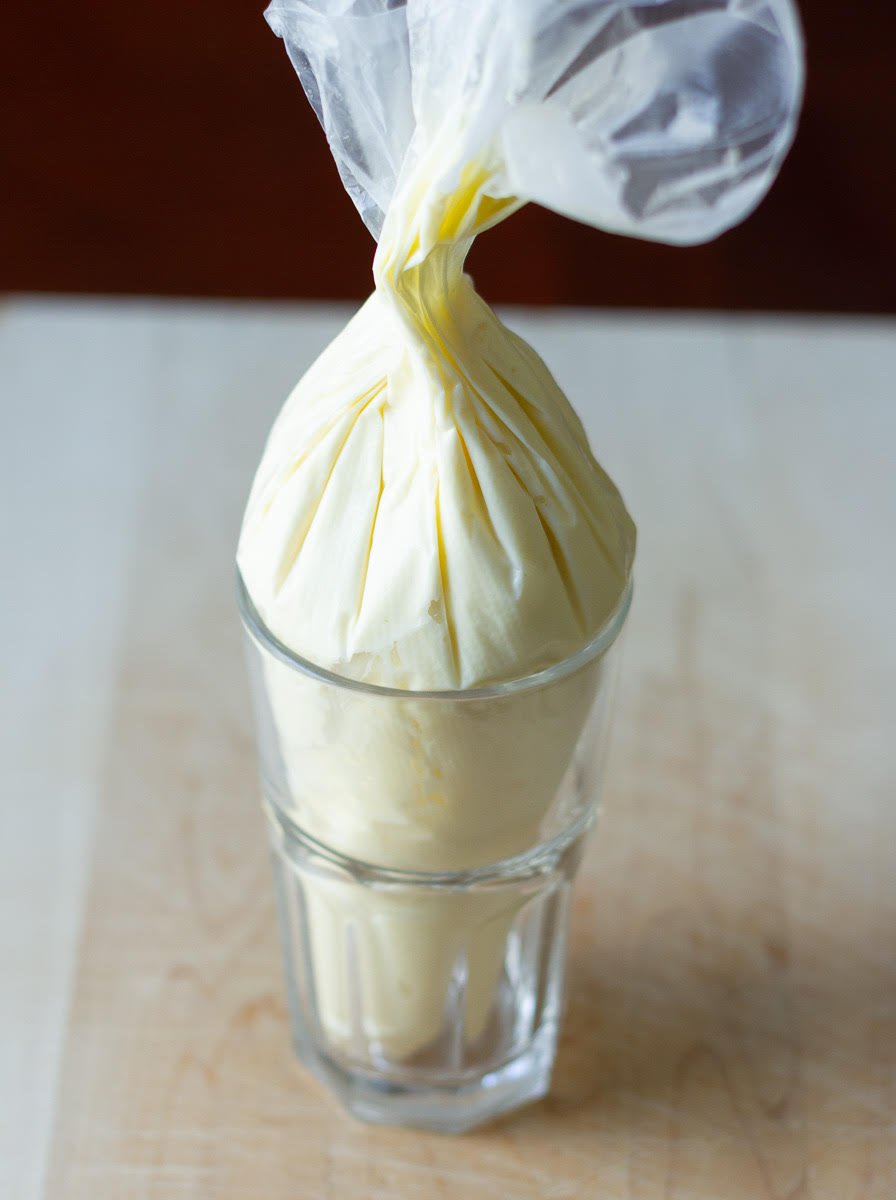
(451, 1106)
(433, 1002)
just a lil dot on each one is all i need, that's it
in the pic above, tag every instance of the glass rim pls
(594, 648)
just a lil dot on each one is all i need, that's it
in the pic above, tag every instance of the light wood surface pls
(731, 1032)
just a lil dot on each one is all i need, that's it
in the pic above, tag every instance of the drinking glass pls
(424, 848)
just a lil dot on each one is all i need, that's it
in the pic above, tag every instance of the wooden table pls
(732, 998)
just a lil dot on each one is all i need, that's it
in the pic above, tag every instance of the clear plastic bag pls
(428, 513)
(664, 119)
(478, 537)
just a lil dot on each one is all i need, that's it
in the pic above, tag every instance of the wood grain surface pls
(731, 1031)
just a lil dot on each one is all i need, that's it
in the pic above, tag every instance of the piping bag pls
(427, 514)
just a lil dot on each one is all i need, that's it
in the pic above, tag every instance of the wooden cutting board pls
(731, 1032)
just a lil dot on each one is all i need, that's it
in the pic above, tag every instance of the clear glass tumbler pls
(424, 847)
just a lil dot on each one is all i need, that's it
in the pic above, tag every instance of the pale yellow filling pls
(427, 515)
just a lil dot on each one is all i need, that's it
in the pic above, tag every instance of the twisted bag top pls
(427, 512)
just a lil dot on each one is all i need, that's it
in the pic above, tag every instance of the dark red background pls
(160, 147)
